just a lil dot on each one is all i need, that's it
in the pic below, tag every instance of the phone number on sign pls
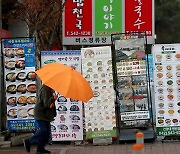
(21, 126)
(25, 125)
(76, 33)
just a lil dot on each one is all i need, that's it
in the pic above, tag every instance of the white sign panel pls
(167, 84)
(97, 69)
(68, 124)
(135, 115)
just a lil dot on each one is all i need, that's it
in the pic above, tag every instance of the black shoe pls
(42, 151)
(27, 145)
(50, 142)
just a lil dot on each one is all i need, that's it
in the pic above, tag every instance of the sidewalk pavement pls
(150, 148)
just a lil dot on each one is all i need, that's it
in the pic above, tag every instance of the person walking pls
(44, 113)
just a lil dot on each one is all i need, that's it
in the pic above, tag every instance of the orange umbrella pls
(66, 81)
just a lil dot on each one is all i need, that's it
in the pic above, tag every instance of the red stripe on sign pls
(138, 16)
(78, 18)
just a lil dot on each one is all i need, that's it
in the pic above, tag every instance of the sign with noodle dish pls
(20, 84)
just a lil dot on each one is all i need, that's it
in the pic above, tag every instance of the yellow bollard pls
(138, 148)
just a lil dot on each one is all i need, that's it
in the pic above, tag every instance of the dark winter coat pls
(42, 110)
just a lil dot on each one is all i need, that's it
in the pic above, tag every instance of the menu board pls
(131, 78)
(20, 84)
(68, 124)
(167, 88)
(100, 116)
(132, 89)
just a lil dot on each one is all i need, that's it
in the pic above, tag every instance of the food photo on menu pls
(11, 101)
(21, 76)
(11, 89)
(22, 100)
(9, 52)
(126, 105)
(12, 113)
(21, 88)
(31, 88)
(22, 113)
(74, 117)
(125, 93)
(31, 100)
(125, 81)
(61, 99)
(10, 64)
(75, 127)
(31, 76)
(62, 127)
(30, 112)
(139, 80)
(130, 48)
(20, 64)
(62, 108)
(20, 52)
(12, 52)
(11, 76)
(141, 104)
(140, 92)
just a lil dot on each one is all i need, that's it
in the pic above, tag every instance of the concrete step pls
(2, 138)
(18, 140)
(102, 141)
(5, 144)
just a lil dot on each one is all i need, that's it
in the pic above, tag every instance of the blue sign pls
(22, 124)
(29, 56)
(18, 43)
(151, 66)
(19, 60)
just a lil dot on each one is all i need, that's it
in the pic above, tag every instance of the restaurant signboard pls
(93, 22)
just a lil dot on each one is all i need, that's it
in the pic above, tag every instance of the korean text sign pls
(138, 16)
(93, 22)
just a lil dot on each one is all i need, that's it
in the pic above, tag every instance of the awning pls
(4, 33)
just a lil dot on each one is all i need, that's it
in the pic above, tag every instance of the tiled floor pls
(150, 148)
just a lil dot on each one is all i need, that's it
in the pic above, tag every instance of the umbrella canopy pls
(65, 80)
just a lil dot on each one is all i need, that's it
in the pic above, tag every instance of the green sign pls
(101, 134)
(168, 131)
(49, 61)
(168, 52)
(108, 17)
